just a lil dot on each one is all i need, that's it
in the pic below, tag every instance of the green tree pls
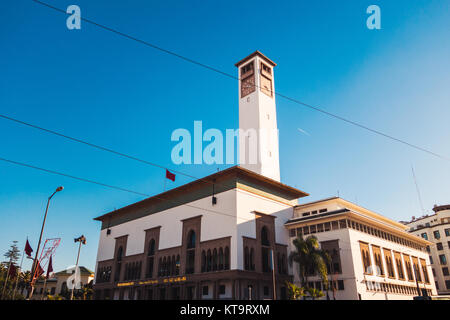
(315, 293)
(295, 292)
(13, 254)
(310, 259)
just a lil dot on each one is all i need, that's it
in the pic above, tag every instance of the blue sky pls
(114, 92)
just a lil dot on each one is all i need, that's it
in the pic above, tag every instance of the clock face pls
(247, 86)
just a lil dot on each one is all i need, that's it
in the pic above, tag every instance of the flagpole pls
(18, 274)
(43, 290)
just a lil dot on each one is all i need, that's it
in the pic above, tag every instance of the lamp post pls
(35, 261)
(81, 240)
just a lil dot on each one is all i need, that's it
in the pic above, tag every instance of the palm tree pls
(310, 259)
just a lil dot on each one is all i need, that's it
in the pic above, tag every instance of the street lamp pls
(35, 261)
(81, 240)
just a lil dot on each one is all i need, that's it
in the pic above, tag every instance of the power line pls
(121, 154)
(172, 53)
(22, 164)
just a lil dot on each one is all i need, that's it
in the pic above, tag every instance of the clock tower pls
(258, 141)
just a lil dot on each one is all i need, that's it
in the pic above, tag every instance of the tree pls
(295, 292)
(315, 293)
(13, 254)
(310, 259)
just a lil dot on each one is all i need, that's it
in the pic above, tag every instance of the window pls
(436, 234)
(205, 290)
(227, 258)
(378, 262)
(214, 259)
(266, 290)
(431, 260)
(190, 253)
(221, 289)
(439, 246)
(265, 237)
(292, 233)
(314, 212)
(118, 264)
(423, 264)
(389, 264)
(445, 271)
(221, 259)
(323, 210)
(340, 284)
(447, 232)
(424, 235)
(252, 259)
(447, 284)
(203, 261)
(342, 224)
(150, 258)
(442, 259)
(305, 214)
(365, 255)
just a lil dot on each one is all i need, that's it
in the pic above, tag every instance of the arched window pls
(150, 258)
(265, 250)
(177, 265)
(220, 259)
(214, 266)
(151, 247)
(118, 264)
(252, 259)
(160, 268)
(227, 258)
(246, 259)
(164, 271)
(265, 237)
(190, 254)
(191, 239)
(203, 261)
(208, 261)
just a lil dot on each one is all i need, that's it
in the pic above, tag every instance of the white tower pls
(258, 141)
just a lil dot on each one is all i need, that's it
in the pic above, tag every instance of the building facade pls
(436, 229)
(372, 257)
(210, 239)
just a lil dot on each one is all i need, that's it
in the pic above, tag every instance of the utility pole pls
(36, 261)
(81, 240)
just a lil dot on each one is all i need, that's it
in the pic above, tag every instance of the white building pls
(373, 257)
(436, 229)
(214, 238)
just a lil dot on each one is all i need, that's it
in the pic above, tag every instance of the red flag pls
(39, 271)
(28, 249)
(50, 267)
(170, 175)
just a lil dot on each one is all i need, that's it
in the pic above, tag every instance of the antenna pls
(418, 192)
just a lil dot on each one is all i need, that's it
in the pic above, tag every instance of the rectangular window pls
(439, 246)
(314, 212)
(447, 232)
(424, 235)
(313, 229)
(305, 214)
(327, 226)
(436, 234)
(447, 284)
(340, 284)
(442, 259)
(305, 230)
(205, 290)
(334, 225)
(431, 260)
(299, 231)
(323, 210)
(320, 227)
(292, 233)
(342, 224)
(221, 289)
(445, 271)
